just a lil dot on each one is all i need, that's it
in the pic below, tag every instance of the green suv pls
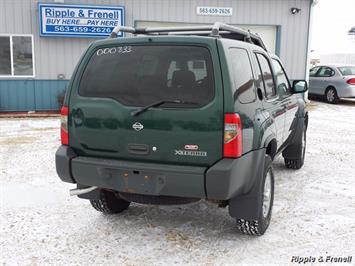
(176, 115)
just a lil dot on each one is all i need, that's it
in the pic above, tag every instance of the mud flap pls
(248, 206)
(294, 150)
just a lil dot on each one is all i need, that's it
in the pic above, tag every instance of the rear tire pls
(109, 203)
(258, 227)
(331, 95)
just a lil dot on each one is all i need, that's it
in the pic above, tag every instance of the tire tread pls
(109, 203)
(248, 227)
(293, 163)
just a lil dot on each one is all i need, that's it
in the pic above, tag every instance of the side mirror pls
(299, 86)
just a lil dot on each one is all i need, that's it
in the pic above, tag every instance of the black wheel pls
(331, 95)
(258, 227)
(297, 163)
(109, 203)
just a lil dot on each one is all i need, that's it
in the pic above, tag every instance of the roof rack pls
(218, 29)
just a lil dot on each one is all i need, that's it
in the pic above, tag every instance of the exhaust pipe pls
(80, 191)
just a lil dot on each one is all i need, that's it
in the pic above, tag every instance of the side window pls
(313, 71)
(259, 79)
(283, 85)
(265, 69)
(243, 79)
(325, 72)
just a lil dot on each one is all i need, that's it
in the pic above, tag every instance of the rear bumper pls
(347, 91)
(222, 181)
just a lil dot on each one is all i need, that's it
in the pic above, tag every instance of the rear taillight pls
(351, 81)
(232, 136)
(64, 136)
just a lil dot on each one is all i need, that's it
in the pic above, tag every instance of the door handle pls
(140, 149)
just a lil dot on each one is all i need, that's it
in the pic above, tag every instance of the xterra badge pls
(191, 150)
(137, 126)
(191, 153)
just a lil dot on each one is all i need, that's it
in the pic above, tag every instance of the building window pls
(16, 56)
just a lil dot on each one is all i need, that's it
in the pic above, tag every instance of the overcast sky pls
(332, 19)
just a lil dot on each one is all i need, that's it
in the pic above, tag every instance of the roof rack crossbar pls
(118, 29)
(214, 30)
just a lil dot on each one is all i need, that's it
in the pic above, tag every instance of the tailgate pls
(120, 79)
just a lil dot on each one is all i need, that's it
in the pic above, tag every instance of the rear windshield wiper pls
(158, 103)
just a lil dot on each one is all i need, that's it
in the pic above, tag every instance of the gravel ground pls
(313, 215)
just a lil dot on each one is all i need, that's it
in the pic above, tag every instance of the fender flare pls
(271, 140)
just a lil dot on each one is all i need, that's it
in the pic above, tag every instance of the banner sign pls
(214, 11)
(79, 20)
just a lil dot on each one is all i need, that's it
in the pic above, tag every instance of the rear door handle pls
(260, 94)
(139, 149)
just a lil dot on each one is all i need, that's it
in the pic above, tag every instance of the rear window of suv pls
(140, 75)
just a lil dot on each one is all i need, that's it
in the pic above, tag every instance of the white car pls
(333, 82)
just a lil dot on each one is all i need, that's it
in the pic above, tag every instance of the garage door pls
(267, 33)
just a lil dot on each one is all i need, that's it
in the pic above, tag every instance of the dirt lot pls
(313, 215)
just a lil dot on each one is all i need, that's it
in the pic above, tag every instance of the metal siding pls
(30, 95)
(16, 95)
(56, 55)
(47, 92)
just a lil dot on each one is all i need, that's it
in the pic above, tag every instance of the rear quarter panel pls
(254, 122)
(344, 89)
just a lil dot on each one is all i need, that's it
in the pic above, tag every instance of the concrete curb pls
(28, 114)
